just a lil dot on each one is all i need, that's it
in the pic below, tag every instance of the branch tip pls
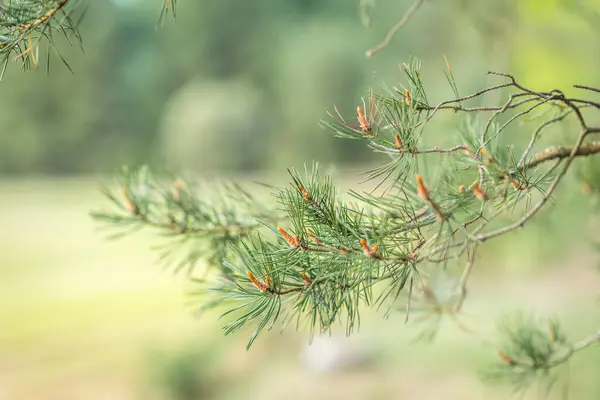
(505, 358)
(305, 278)
(258, 284)
(478, 191)
(293, 241)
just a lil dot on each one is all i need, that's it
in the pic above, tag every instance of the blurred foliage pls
(185, 374)
(239, 86)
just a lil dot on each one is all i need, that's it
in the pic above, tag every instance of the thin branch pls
(536, 133)
(395, 28)
(425, 107)
(574, 150)
(460, 99)
(184, 229)
(581, 345)
(428, 151)
(585, 87)
(463, 281)
(554, 152)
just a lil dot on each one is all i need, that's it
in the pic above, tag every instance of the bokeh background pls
(236, 89)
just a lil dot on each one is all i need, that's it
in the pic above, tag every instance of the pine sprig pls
(30, 29)
(530, 351)
(200, 221)
(27, 24)
(168, 6)
(328, 256)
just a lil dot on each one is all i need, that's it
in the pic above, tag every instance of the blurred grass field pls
(84, 318)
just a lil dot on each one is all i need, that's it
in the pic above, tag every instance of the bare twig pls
(476, 109)
(536, 133)
(463, 281)
(395, 28)
(593, 89)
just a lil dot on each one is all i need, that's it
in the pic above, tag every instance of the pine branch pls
(326, 256)
(205, 228)
(43, 19)
(25, 24)
(531, 349)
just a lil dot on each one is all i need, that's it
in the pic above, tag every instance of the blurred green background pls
(237, 88)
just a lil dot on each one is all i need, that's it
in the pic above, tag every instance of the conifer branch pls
(202, 228)
(25, 24)
(44, 18)
(530, 349)
(325, 256)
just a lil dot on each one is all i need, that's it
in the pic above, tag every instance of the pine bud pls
(306, 278)
(505, 358)
(304, 192)
(292, 241)
(362, 121)
(399, 143)
(516, 184)
(313, 237)
(258, 284)
(479, 193)
(128, 202)
(368, 250)
(422, 189)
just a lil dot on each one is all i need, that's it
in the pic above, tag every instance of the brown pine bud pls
(374, 249)
(364, 245)
(362, 121)
(304, 192)
(461, 188)
(128, 202)
(516, 184)
(306, 278)
(483, 152)
(258, 284)
(407, 98)
(292, 241)
(399, 143)
(505, 358)
(479, 193)
(368, 250)
(313, 237)
(422, 189)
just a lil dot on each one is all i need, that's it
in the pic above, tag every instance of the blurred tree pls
(295, 53)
